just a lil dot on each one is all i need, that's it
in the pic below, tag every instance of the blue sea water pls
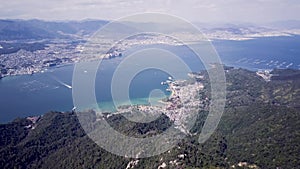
(29, 95)
(262, 53)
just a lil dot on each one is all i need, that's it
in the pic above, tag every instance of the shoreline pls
(106, 105)
(38, 72)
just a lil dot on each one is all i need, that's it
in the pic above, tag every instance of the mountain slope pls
(257, 130)
(37, 29)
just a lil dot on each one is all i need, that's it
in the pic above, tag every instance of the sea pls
(32, 95)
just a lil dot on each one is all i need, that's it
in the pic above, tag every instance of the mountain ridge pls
(258, 129)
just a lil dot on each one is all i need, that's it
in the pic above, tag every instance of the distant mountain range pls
(38, 29)
(289, 24)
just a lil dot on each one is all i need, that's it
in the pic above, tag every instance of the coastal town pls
(61, 52)
(28, 62)
(181, 107)
(36, 55)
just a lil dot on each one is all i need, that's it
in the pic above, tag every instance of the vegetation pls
(260, 128)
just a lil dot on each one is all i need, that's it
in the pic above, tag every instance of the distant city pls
(60, 43)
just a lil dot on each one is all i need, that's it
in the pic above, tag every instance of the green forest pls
(260, 128)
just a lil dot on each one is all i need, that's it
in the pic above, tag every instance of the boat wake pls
(62, 83)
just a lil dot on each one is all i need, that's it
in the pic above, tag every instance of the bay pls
(30, 95)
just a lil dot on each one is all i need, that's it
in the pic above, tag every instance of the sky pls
(253, 11)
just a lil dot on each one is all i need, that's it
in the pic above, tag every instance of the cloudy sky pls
(256, 11)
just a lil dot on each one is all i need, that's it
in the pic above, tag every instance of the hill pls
(260, 128)
(39, 30)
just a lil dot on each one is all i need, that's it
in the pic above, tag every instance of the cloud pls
(193, 10)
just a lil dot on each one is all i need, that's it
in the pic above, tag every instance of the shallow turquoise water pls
(28, 95)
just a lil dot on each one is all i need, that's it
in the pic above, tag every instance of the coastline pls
(106, 105)
(40, 71)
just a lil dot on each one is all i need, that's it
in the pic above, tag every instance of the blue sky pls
(255, 11)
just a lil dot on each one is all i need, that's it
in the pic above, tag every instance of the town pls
(181, 107)
(63, 51)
